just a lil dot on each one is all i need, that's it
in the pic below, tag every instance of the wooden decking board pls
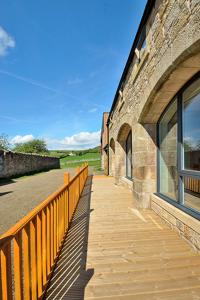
(115, 252)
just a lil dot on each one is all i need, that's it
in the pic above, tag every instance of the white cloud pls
(6, 41)
(79, 141)
(82, 140)
(22, 139)
(92, 110)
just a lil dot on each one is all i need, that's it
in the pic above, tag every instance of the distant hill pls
(65, 153)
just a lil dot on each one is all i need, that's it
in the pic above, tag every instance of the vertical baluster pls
(63, 213)
(44, 248)
(60, 219)
(6, 272)
(67, 208)
(69, 204)
(66, 181)
(57, 223)
(39, 253)
(52, 234)
(55, 230)
(62, 216)
(74, 195)
(27, 275)
(17, 242)
(33, 260)
(48, 241)
(72, 198)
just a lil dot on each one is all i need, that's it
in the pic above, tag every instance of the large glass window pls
(191, 126)
(192, 193)
(129, 156)
(179, 149)
(168, 152)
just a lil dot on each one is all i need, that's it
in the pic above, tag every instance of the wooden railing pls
(192, 184)
(28, 251)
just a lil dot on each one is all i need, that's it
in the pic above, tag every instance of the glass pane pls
(168, 152)
(192, 193)
(129, 156)
(191, 126)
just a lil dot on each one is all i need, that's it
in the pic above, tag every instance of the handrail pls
(13, 230)
(28, 251)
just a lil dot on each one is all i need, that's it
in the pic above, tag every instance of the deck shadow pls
(6, 181)
(70, 276)
(5, 193)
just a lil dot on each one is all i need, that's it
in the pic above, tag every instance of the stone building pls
(154, 122)
(104, 143)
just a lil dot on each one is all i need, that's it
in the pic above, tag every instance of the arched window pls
(179, 149)
(128, 148)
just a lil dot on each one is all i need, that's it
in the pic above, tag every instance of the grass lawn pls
(93, 160)
(84, 157)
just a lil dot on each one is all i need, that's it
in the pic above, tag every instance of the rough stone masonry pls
(15, 164)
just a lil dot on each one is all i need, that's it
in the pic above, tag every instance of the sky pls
(60, 65)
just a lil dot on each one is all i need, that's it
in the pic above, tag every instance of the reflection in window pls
(191, 126)
(180, 125)
(168, 152)
(192, 192)
(129, 156)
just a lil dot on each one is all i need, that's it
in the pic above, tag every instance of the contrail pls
(46, 87)
(28, 80)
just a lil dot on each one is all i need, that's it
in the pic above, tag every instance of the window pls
(168, 152)
(129, 156)
(191, 127)
(179, 149)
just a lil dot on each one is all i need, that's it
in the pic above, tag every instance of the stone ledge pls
(177, 213)
(187, 226)
(126, 182)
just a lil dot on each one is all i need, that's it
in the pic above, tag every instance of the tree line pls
(34, 146)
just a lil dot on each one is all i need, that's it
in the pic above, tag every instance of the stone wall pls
(171, 57)
(187, 226)
(15, 164)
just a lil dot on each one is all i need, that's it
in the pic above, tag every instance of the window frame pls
(182, 173)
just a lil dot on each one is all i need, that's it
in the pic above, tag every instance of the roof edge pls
(147, 11)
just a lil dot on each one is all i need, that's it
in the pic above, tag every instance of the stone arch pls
(123, 133)
(112, 144)
(120, 151)
(172, 80)
(168, 84)
(112, 157)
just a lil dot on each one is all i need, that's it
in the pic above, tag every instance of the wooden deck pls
(115, 252)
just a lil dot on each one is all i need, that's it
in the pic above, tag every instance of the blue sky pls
(60, 64)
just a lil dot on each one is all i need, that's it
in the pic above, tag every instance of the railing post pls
(66, 178)
(36, 240)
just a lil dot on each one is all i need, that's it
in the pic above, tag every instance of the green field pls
(79, 157)
(93, 160)
(95, 164)
(65, 153)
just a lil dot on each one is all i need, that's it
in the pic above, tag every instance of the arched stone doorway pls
(124, 152)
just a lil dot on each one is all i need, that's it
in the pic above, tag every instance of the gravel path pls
(19, 196)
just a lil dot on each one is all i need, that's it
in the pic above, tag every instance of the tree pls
(4, 143)
(34, 146)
